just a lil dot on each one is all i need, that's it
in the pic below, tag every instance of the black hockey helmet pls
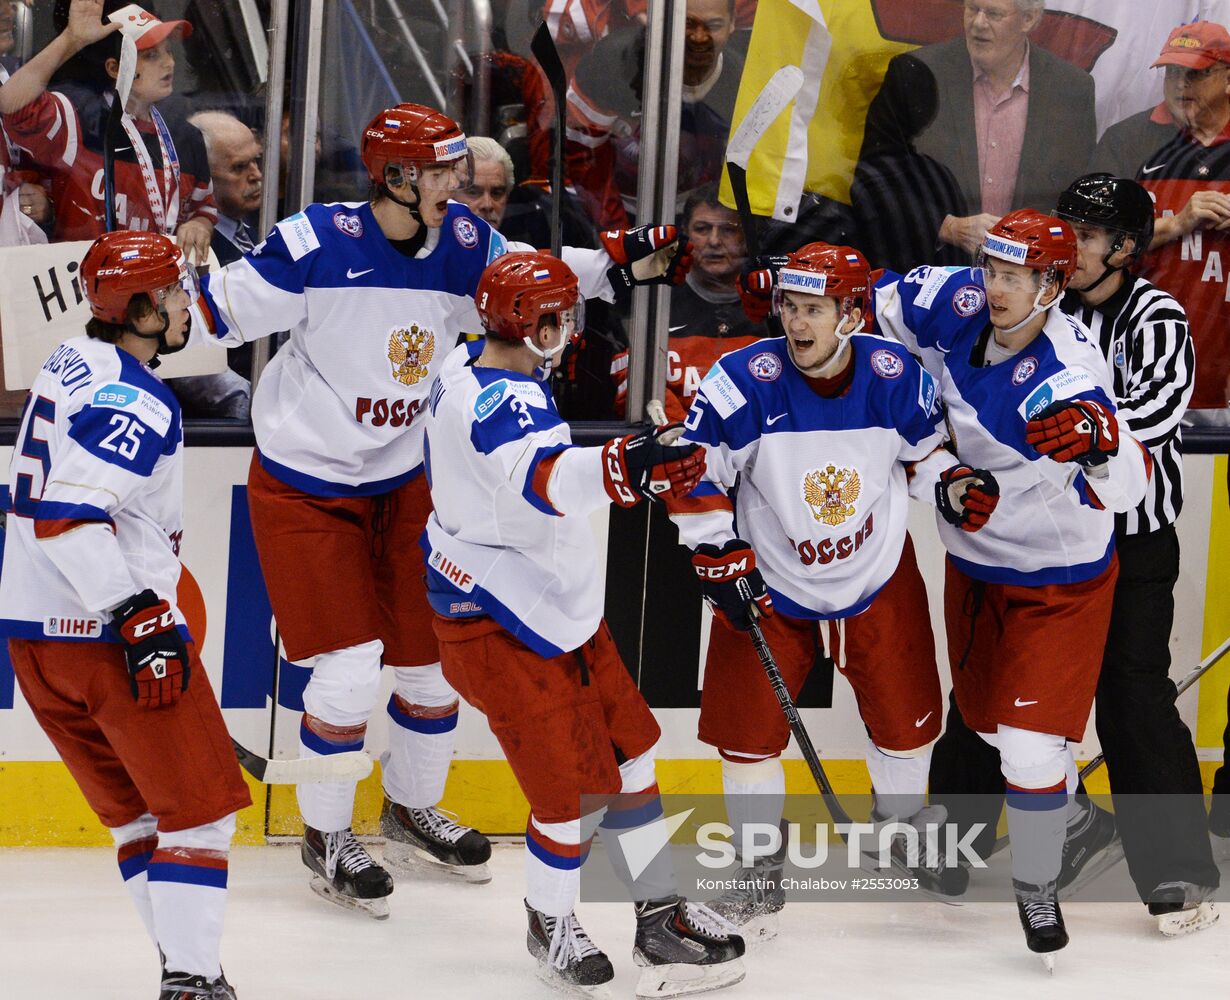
(1114, 203)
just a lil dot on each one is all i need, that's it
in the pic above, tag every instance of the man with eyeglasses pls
(1179, 151)
(984, 108)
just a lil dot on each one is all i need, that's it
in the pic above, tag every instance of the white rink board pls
(211, 474)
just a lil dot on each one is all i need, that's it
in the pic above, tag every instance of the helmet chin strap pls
(1107, 267)
(833, 363)
(548, 356)
(160, 335)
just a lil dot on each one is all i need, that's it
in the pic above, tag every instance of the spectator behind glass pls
(1180, 153)
(32, 204)
(63, 128)
(1013, 124)
(521, 212)
(235, 166)
(604, 105)
(706, 319)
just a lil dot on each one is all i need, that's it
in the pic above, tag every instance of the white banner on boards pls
(42, 304)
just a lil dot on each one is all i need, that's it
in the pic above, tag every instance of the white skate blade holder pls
(681, 979)
(416, 861)
(546, 975)
(377, 909)
(1048, 961)
(1183, 922)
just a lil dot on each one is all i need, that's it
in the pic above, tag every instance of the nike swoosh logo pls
(672, 329)
(1149, 170)
(918, 724)
(770, 421)
(358, 274)
(1021, 704)
(121, 149)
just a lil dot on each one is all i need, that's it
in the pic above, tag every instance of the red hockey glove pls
(647, 255)
(966, 497)
(731, 583)
(1075, 430)
(756, 286)
(157, 655)
(640, 466)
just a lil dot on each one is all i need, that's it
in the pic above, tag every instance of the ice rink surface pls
(68, 931)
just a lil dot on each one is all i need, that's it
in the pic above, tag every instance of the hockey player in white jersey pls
(829, 432)
(374, 294)
(513, 577)
(88, 604)
(1027, 599)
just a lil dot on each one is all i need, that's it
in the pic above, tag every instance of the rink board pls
(39, 805)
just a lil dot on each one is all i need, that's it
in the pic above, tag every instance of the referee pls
(1143, 334)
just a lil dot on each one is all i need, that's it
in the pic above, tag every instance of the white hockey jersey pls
(509, 534)
(96, 495)
(1052, 525)
(337, 410)
(822, 491)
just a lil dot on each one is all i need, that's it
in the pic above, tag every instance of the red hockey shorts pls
(1035, 652)
(564, 723)
(342, 571)
(175, 762)
(889, 658)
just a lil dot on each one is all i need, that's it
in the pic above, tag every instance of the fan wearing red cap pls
(106, 657)
(1027, 601)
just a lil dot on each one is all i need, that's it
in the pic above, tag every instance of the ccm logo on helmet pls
(724, 571)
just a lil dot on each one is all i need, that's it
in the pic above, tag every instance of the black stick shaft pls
(543, 47)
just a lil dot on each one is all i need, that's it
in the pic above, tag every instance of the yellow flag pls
(814, 144)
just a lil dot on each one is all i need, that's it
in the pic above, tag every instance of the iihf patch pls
(765, 367)
(886, 364)
(1024, 368)
(466, 232)
(968, 300)
(1120, 355)
(351, 225)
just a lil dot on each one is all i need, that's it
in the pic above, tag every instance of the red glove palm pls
(640, 466)
(1075, 430)
(966, 497)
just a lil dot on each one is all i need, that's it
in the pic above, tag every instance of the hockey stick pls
(354, 765)
(1198, 671)
(543, 47)
(657, 413)
(769, 103)
(109, 134)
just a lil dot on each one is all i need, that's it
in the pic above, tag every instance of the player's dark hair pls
(706, 194)
(110, 333)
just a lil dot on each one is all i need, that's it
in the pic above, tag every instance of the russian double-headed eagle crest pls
(831, 494)
(410, 352)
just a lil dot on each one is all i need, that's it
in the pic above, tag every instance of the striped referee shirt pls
(1143, 334)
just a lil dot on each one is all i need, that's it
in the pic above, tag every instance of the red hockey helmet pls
(122, 264)
(1039, 242)
(411, 134)
(840, 273)
(518, 289)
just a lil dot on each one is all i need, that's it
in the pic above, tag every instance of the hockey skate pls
(426, 841)
(567, 959)
(1090, 847)
(1041, 919)
(185, 986)
(684, 948)
(1182, 908)
(755, 900)
(344, 873)
(940, 881)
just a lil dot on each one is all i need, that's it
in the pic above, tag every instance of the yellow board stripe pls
(1211, 716)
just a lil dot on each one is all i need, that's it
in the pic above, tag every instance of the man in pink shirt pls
(977, 119)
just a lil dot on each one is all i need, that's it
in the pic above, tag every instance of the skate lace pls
(342, 848)
(1041, 912)
(705, 921)
(568, 941)
(438, 824)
